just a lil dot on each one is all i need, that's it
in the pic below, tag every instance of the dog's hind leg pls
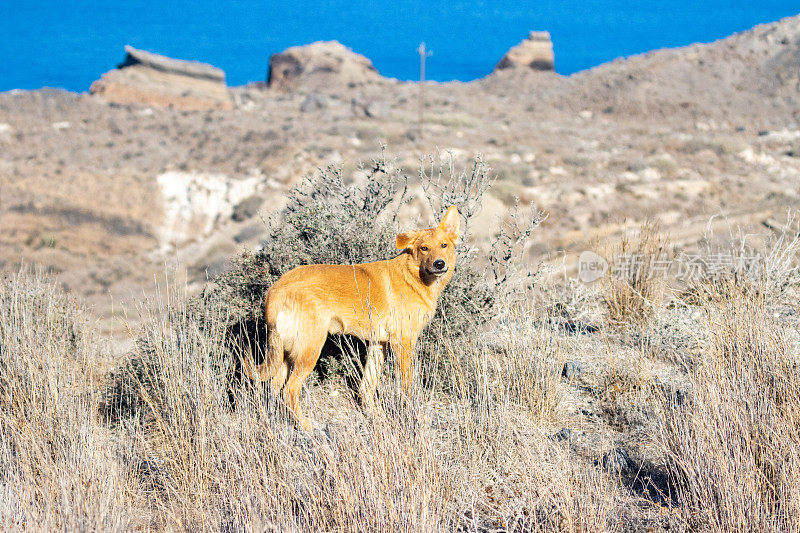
(304, 361)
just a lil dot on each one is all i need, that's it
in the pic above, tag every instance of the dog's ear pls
(451, 223)
(404, 239)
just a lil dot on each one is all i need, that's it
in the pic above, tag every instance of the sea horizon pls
(69, 45)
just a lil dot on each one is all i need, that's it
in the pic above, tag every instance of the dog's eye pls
(444, 245)
(424, 248)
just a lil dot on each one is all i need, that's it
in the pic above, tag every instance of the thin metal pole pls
(422, 56)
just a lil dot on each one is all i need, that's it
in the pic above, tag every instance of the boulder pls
(319, 66)
(156, 80)
(369, 108)
(535, 52)
(572, 370)
(618, 462)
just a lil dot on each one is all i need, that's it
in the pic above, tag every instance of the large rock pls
(319, 66)
(152, 79)
(535, 52)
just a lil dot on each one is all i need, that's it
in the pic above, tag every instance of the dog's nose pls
(439, 264)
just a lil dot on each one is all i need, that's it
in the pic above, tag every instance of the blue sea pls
(70, 43)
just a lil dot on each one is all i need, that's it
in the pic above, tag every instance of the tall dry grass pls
(474, 458)
(734, 448)
(471, 448)
(60, 467)
(634, 285)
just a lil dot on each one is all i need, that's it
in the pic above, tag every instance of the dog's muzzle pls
(439, 268)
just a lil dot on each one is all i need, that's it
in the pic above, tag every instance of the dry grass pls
(734, 449)
(477, 458)
(473, 447)
(634, 286)
(59, 465)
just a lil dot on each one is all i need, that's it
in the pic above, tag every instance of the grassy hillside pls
(630, 404)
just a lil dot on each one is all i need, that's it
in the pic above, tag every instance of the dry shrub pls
(59, 467)
(771, 269)
(633, 286)
(734, 449)
(327, 220)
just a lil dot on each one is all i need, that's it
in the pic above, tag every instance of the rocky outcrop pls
(152, 79)
(319, 66)
(535, 52)
(195, 202)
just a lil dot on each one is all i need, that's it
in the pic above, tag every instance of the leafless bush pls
(772, 267)
(444, 186)
(329, 221)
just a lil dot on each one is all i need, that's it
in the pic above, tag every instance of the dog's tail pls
(245, 341)
(257, 355)
(282, 332)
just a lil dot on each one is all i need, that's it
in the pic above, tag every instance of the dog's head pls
(434, 250)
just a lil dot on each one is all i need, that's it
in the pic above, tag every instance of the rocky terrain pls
(162, 171)
(105, 193)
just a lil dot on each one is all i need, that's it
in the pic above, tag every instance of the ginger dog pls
(386, 303)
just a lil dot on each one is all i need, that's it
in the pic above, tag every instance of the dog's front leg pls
(403, 354)
(373, 369)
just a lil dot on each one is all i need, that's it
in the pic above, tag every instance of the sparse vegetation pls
(187, 462)
(733, 450)
(61, 469)
(632, 404)
(546, 416)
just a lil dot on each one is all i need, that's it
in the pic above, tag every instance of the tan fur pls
(386, 303)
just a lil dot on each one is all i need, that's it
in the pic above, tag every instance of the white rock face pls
(195, 202)
(5, 132)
